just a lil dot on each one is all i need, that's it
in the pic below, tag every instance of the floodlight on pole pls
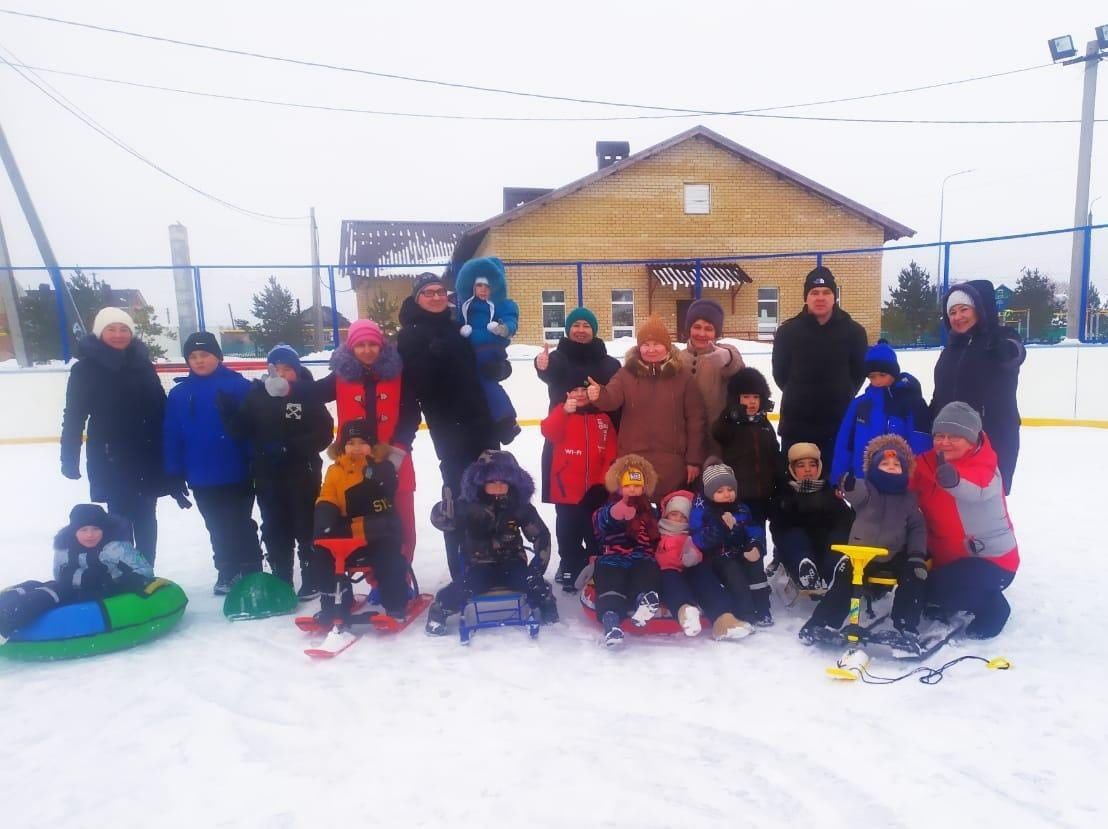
(942, 203)
(1061, 47)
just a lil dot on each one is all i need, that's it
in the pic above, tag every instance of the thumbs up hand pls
(571, 403)
(542, 361)
(593, 390)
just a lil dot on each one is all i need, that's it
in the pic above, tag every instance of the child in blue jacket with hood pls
(892, 403)
(198, 451)
(489, 319)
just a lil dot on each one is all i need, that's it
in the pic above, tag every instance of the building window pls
(698, 198)
(623, 314)
(553, 315)
(767, 310)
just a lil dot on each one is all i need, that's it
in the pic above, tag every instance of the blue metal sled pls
(496, 610)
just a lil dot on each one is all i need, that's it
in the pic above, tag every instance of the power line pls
(90, 122)
(498, 90)
(456, 117)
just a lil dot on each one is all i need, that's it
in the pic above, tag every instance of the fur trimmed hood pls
(749, 380)
(349, 368)
(379, 453)
(615, 472)
(669, 367)
(496, 465)
(895, 443)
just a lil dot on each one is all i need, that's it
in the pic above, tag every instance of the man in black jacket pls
(819, 364)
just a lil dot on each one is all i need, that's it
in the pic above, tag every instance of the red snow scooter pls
(362, 614)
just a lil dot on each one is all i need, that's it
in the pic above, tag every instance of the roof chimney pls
(609, 152)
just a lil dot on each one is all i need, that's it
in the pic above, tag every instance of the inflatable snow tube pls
(95, 627)
(662, 624)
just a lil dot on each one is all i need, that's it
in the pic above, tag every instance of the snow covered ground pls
(228, 724)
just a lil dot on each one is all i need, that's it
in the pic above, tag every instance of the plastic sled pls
(495, 610)
(664, 624)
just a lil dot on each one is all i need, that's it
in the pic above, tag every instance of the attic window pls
(698, 198)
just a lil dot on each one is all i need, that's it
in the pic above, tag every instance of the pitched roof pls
(367, 245)
(473, 235)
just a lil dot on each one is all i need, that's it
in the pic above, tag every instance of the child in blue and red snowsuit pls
(626, 575)
(93, 559)
(732, 544)
(495, 515)
(892, 404)
(489, 320)
(583, 442)
(198, 450)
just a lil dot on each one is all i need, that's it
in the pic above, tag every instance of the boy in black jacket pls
(287, 432)
(494, 515)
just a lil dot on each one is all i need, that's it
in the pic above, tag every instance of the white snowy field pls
(229, 724)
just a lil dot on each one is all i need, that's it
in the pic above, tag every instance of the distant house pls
(697, 194)
(378, 256)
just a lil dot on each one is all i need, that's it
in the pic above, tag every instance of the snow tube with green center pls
(95, 627)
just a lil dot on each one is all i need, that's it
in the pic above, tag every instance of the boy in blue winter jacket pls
(198, 451)
(489, 320)
(892, 403)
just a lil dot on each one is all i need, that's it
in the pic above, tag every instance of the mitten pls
(918, 566)
(275, 385)
(622, 511)
(498, 328)
(945, 474)
(466, 330)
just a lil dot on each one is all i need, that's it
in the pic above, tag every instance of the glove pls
(622, 511)
(847, 482)
(498, 328)
(275, 385)
(71, 470)
(945, 474)
(919, 568)
(466, 330)
(178, 491)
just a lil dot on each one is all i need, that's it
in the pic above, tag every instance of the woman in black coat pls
(113, 386)
(440, 371)
(580, 354)
(981, 366)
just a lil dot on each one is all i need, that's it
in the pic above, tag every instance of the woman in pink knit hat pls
(365, 382)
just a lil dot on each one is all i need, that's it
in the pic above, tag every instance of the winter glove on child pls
(497, 328)
(466, 330)
(945, 474)
(918, 566)
(71, 470)
(276, 385)
(178, 490)
(847, 482)
(623, 510)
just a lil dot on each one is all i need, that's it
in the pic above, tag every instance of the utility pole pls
(44, 249)
(1078, 266)
(9, 301)
(317, 298)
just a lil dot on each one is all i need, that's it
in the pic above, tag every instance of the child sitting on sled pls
(356, 501)
(93, 559)
(626, 575)
(807, 518)
(688, 584)
(489, 319)
(886, 515)
(494, 514)
(721, 528)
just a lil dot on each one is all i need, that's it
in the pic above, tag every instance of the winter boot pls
(548, 609)
(689, 617)
(613, 634)
(808, 576)
(813, 632)
(647, 609)
(436, 620)
(308, 589)
(728, 626)
(224, 582)
(338, 639)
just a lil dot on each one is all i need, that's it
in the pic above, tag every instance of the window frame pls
(543, 305)
(707, 200)
(764, 327)
(630, 329)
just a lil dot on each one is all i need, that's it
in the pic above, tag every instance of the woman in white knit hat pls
(114, 389)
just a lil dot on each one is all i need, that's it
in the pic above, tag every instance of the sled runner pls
(497, 609)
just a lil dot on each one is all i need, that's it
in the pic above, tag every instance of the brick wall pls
(638, 213)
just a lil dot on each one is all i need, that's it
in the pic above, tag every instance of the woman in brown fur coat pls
(663, 411)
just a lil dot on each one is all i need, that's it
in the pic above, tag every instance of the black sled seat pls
(496, 609)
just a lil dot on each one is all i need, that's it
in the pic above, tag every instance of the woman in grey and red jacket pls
(970, 538)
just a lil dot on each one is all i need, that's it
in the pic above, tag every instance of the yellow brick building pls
(697, 194)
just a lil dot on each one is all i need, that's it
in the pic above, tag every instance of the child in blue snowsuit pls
(489, 319)
(93, 559)
(197, 450)
(892, 403)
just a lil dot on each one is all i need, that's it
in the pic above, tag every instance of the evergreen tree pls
(384, 311)
(911, 314)
(1038, 294)
(278, 321)
(148, 329)
(1094, 298)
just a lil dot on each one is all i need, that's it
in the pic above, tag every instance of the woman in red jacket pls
(583, 442)
(970, 538)
(365, 383)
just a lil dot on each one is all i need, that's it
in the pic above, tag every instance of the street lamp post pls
(942, 202)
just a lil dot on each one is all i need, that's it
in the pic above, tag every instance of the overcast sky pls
(102, 207)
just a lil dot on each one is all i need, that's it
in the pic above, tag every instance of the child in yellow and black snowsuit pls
(357, 502)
